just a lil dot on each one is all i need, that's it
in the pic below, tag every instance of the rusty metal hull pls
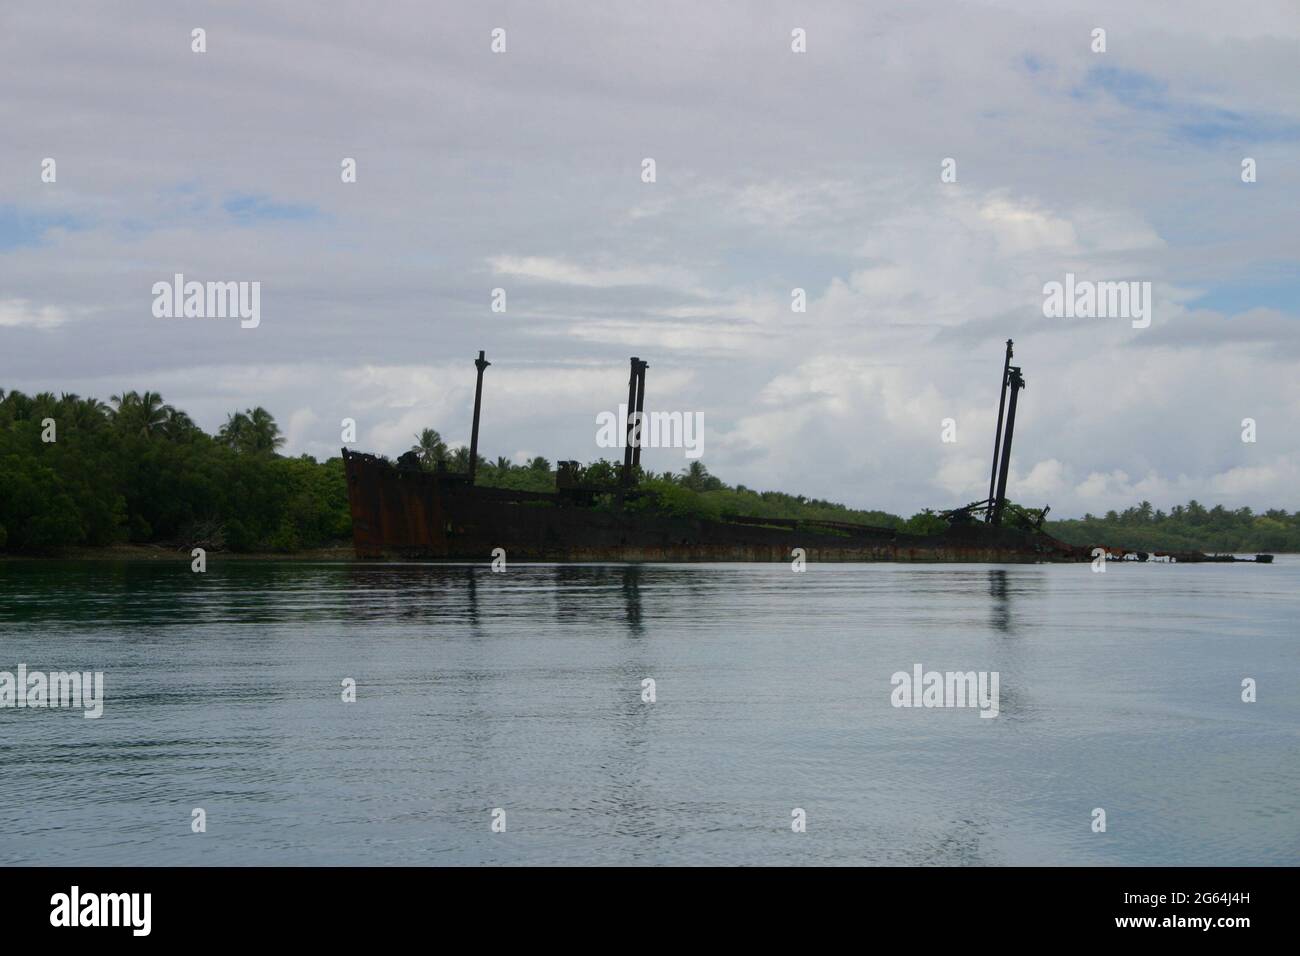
(400, 513)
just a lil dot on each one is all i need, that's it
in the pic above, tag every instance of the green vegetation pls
(694, 493)
(138, 470)
(1190, 527)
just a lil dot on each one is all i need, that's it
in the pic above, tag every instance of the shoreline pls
(146, 552)
(338, 553)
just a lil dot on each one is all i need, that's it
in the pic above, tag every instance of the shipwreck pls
(403, 511)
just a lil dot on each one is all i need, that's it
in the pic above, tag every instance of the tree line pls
(80, 472)
(1189, 527)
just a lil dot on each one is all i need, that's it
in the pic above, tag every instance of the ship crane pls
(994, 508)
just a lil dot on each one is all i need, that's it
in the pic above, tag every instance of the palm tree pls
(142, 414)
(44, 404)
(17, 407)
(124, 402)
(430, 449)
(234, 433)
(458, 461)
(695, 475)
(503, 464)
(153, 413)
(265, 433)
(178, 426)
(253, 430)
(84, 413)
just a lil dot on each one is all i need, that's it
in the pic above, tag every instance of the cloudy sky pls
(774, 170)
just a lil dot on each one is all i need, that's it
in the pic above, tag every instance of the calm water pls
(523, 691)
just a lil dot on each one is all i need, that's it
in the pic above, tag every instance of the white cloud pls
(964, 477)
(546, 269)
(1046, 480)
(20, 312)
(1253, 482)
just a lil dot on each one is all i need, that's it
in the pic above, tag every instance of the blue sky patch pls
(251, 209)
(1193, 124)
(1278, 292)
(19, 227)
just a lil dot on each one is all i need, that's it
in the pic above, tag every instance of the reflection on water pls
(632, 595)
(523, 690)
(1000, 603)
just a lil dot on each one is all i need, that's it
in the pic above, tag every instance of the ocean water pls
(522, 692)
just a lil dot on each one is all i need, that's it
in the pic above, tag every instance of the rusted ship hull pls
(410, 514)
(404, 511)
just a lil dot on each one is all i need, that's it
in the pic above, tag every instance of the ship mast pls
(635, 409)
(997, 435)
(1015, 381)
(480, 363)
